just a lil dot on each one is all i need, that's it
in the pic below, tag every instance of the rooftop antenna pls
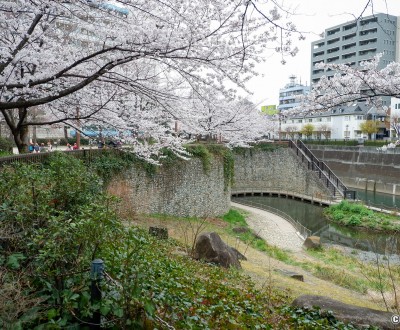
(292, 80)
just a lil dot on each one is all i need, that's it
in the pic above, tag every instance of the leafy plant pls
(356, 214)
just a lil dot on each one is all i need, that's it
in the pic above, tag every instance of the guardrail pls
(318, 198)
(302, 230)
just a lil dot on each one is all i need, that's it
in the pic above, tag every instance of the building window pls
(359, 117)
(310, 120)
(347, 118)
(329, 33)
(349, 36)
(299, 120)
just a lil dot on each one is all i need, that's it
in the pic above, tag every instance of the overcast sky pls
(312, 16)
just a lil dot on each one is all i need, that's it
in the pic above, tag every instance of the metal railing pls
(283, 192)
(302, 230)
(325, 174)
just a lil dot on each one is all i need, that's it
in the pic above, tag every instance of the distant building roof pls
(359, 108)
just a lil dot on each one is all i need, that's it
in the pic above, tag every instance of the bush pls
(354, 220)
(355, 214)
(332, 142)
(6, 146)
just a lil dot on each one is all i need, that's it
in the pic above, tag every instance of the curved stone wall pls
(278, 170)
(185, 189)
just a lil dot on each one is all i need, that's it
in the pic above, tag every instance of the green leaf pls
(13, 260)
(105, 309)
(149, 307)
(52, 313)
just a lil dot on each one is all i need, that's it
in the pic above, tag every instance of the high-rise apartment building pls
(289, 96)
(356, 41)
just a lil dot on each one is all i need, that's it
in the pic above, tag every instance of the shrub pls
(6, 146)
(354, 220)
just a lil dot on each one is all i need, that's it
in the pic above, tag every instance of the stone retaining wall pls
(182, 189)
(277, 170)
(185, 189)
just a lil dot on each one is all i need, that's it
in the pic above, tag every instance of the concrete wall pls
(185, 189)
(363, 168)
(278, 170)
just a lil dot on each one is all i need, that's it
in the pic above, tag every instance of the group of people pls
(35, 147)
(72, 147)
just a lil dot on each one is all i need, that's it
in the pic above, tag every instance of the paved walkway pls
(272, 228)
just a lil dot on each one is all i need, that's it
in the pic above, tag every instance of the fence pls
(303, 231)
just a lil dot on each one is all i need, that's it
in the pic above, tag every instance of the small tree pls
(369, 127)
(291, 131)
(307, 130)
(395, 125)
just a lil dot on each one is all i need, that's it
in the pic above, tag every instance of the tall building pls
(289, 96)
(356, 41)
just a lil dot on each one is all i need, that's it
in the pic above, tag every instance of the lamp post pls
(96, 275)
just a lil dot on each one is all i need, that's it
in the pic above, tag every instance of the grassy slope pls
(261, 267)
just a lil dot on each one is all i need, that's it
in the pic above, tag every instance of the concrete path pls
(272, 228)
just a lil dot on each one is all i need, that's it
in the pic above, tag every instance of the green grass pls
(235, 218)
(358, 215)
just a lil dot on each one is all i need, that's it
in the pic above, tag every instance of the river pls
(312, 217)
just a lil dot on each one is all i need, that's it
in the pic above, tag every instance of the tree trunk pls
(20, 135)
(20, 131)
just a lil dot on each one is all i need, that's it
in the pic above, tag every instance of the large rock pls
(312, 242)
(210, 248)
(359, 316)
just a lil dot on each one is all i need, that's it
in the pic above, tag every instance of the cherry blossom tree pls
(325, 130)
(237, 122)
(350, 84)
(128, 63)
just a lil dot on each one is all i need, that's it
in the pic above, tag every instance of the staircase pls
(325, 174)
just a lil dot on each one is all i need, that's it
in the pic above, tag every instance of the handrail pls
(331, 180)
(324, 166)
(303, 231)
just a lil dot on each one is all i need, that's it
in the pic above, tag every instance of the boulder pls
(210, 248)
(238, 254)
(294, 275)
(240, 230)
(358, 316)
(312, 242)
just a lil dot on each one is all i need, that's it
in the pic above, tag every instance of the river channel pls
(311, 216)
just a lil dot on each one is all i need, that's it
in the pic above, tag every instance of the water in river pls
(382, 200)
(312, 217)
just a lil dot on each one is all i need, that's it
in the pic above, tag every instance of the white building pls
(395, 118)
(289, 96)
(339, 123)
